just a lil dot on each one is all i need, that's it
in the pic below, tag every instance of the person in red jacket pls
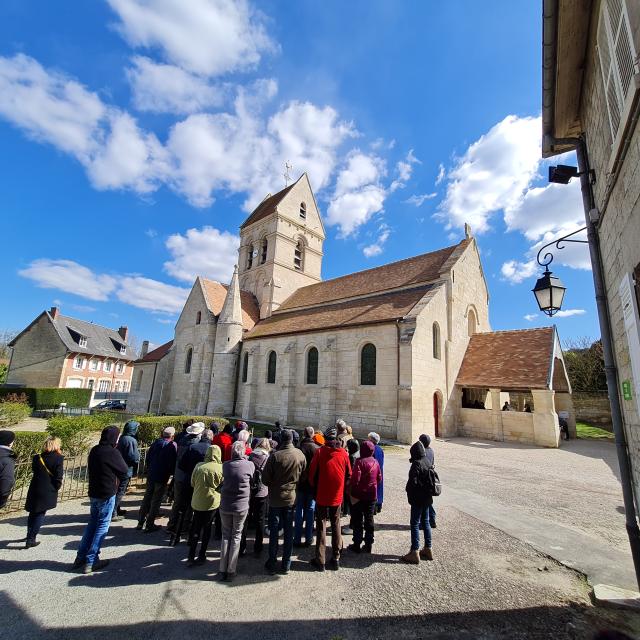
(330, 470)
(363, 493)
(224, 440)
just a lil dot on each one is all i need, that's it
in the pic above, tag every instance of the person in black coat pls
(7, 465)
(48, 471)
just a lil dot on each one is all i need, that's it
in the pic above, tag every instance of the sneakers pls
(334, 564)
(426, 553)
(77, 563)
(98, 565)
(117, 518)
(354, 547)
(413, 557)
(316, 564)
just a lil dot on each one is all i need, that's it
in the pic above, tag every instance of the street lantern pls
(549, 293)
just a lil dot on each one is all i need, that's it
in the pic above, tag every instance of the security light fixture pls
(562, 173)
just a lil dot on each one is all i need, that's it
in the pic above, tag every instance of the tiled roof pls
(215, 293)
(508, 359)
(101, 341)
(376, 309)
(412, 271)
(158, 353)
(266, 207)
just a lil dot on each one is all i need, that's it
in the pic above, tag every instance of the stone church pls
(380, 348)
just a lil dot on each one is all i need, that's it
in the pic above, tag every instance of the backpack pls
(255, 484)
(432, 482)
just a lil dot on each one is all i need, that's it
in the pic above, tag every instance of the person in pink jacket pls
(364, 491)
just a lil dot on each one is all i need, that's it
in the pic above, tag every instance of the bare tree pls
(585, 364)
(6, 336)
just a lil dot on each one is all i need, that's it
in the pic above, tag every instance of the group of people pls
(281, 484)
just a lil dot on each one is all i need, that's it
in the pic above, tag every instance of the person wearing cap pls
(7, 465)
(305, 501)
(281, 475)
(431, 459)
(180, 510)
(363, 492)
(329, 472)
(378, 454)
(128, 448)
(161, 463)
(106, 468)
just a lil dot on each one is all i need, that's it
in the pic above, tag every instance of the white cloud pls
(165, 88)
(441, 174)
(152, 295)
(404, 171)
(493, 173)
(515, 272)
(82, 308)
(207, 37)
(530, 317)
(69, 276)
(572, 254)
(151, 233)
(377, 247)
(418, 200)
(163, 321)
(567, 313)
(206, 252)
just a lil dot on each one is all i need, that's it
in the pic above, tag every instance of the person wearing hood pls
(431, 459)
(224, 440)
(363, 492)
(180, 510)
(7, 465)
(330, 471)
(106, 469)
(205, 482)
(305, 501)
(378, 454)
(258, 501)
(353, 451)
(161, 464)
(419, 497)
(128, 448)
(234, 507)
(281, 475)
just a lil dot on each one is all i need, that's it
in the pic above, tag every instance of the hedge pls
(13, 413)
(28, 443)
(151, 426)
(51, 398)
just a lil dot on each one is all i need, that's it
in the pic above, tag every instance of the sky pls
(137, 135)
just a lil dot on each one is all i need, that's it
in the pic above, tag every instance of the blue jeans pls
(305, 512)
(96, 529)
(281, 517)
(34, 522)
(432, 515)
(420, 521)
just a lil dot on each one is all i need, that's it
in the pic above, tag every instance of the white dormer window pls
(123, 348)
(82, 341)
(303, 210)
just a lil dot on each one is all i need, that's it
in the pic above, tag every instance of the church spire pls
(232, 310)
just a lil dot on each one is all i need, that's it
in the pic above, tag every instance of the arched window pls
(312, 366)
(245, 366)
(436, 340)
(471, 322)
(250, 257)
(198, 317)
(368, 364)
(271, 368)
(187, 362)
(303, 210)
(263, 256)
(298, 256)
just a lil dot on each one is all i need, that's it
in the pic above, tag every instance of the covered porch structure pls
(512, 387)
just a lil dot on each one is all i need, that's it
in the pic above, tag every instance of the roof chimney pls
(145, 348)
(54, 312)
(124, 332)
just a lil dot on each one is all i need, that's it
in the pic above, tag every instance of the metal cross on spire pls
(286, 175)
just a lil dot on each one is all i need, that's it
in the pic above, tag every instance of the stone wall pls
(593, 408)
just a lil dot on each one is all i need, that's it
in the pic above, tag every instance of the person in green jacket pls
(206, 480)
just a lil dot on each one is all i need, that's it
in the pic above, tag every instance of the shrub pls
(76, 432)
(151, 426)
(13, 413)
(50, 398)
(28, 443)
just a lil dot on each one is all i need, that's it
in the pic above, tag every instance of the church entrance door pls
(436, 414)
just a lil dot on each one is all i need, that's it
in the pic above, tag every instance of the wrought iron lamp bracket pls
(547, 258)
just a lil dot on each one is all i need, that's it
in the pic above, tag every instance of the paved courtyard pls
(484, 583)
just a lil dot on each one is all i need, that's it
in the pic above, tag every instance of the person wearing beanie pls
(305, 501)
(419, 497)
(128, 448)
(161, 464)
(281, 475)
(106, 468)
(431, 459)
(224, 440)
(329, 472)
(7, 465)
(378, 454)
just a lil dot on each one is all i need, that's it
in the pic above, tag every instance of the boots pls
(426, 553)
(413, 557)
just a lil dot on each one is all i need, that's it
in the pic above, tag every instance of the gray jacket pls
(236, 485)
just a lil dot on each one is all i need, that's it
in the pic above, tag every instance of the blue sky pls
(138, 134)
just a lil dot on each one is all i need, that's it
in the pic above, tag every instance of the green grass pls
(588, 431)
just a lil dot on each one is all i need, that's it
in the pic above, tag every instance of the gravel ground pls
(482, 584)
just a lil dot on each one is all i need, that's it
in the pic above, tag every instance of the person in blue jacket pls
(128, 448)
